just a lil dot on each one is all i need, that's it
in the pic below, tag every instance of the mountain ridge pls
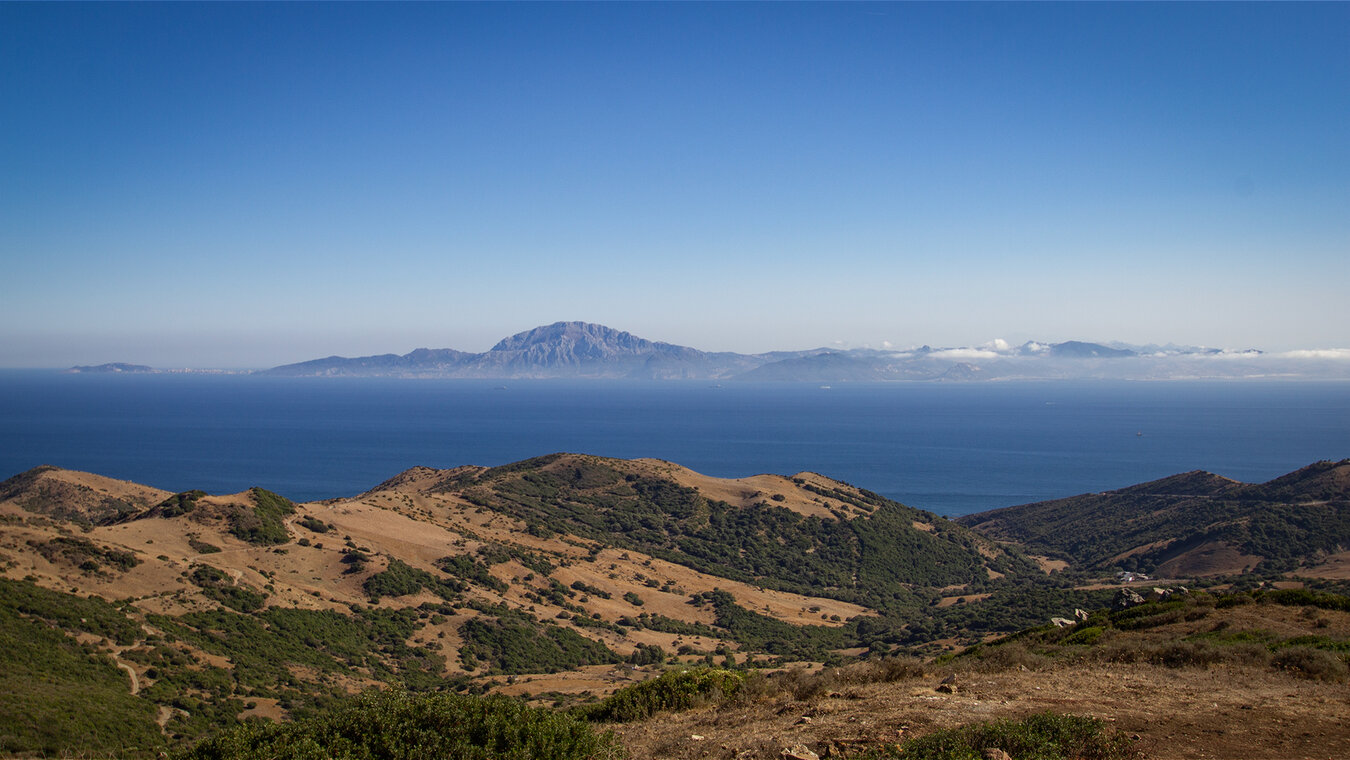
(593, 351)
(1194, 523)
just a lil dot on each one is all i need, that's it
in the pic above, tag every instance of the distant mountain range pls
(585, 350)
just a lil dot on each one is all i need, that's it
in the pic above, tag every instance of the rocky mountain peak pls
(577, 338)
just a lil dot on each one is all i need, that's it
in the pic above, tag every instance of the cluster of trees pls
(514, 642)
(85, 554)
(262, 525)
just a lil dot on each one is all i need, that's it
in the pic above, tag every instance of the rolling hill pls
(1193, 524)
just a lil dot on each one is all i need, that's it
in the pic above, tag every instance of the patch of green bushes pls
(91, 614)
(514, 642)
(179, 503)
(1311, 663)
(1044, 736)
(201, 547)
(671, 691)
(262, 525)
(215, 584)
(61, 698)
(402, 726)
(805, 684)
(311, 523)
(84, 554)
(468, 569)
(398, 579)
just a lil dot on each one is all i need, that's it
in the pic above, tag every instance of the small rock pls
(946, 688)
(804, 720)
(798, 752)
(696, 737)
(994, 753)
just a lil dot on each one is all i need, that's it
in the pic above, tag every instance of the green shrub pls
(1044, 736)
(1307, 662)
(179, 504)
(1008, 656)
(402, 726)
(672, 690)
(1084, 636)
(399, 579)
(201, 547)
(1297, 597)
(1318, 642)
(263, 524)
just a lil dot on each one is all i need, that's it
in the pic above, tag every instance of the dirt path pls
(135, 682)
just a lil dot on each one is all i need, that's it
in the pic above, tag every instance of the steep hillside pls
(861, 549)
(78, 497)
(1195, 524)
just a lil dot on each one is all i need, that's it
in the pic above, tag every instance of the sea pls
(949, 448)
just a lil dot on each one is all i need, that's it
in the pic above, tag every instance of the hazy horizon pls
(247, 185)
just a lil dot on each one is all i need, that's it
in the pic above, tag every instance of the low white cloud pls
(1338, 354)
(1311, 354)
(965, 353)
(997, 344)
(1228, 354)
(887, 344)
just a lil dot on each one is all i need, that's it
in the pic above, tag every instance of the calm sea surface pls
(950, 448)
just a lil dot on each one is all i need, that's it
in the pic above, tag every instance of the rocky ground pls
(1175, 713)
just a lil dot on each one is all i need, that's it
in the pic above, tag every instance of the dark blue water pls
(949, 448)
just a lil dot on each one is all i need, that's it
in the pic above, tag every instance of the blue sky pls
(243, 185)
